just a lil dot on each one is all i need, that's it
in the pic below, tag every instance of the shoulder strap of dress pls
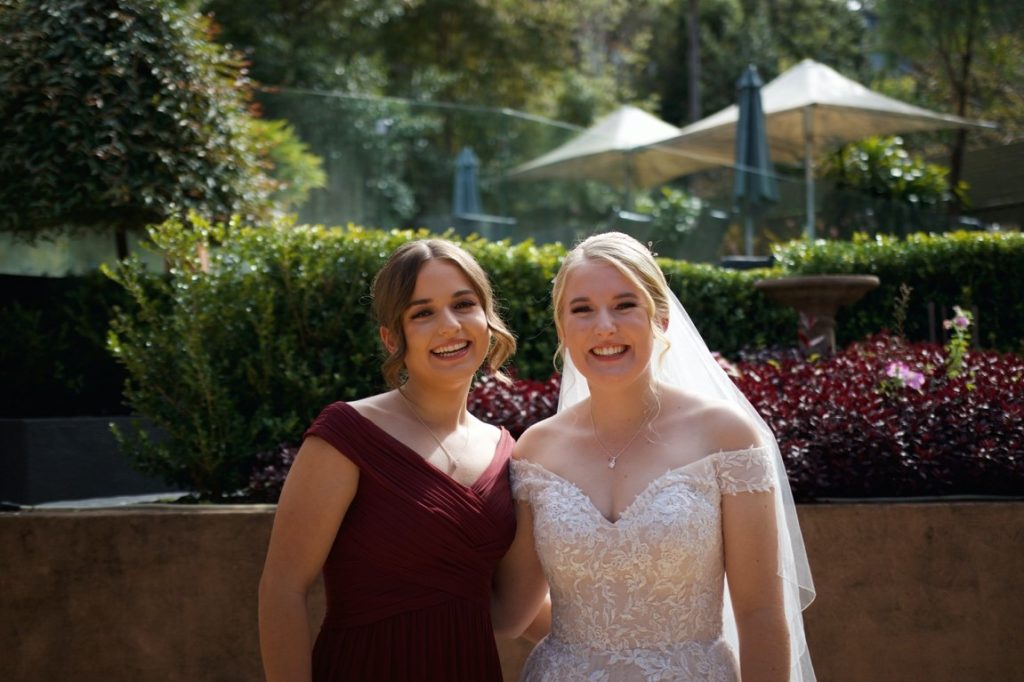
(346, 430)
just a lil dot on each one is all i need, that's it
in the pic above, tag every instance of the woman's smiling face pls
(605, 324)
(445, 326)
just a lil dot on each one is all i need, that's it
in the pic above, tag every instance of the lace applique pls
(745, 471)
(640, 598)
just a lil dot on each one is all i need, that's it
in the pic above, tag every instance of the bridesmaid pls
(401, 499)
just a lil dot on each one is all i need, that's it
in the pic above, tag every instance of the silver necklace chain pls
(613, 457)
(451, 458)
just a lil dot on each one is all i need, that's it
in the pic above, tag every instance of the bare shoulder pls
(720, 425)
(546, 438)
(534, 438)
(371, 406)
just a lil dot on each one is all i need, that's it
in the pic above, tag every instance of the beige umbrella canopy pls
(807, 109)
(604, 152)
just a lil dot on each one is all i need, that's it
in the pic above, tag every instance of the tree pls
(386, 158)
(733, 33)
(964, 53)
(119, 113)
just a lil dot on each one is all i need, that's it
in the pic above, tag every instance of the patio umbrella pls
(466, 188)
(807, 109)
(754, 184)
(605, 152)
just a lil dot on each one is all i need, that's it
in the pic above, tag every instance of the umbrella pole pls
(748, 231)
(628, 199)
(809, 171)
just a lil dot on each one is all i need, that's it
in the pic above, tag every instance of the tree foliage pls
(966, 56)
(733, 33)
(882, 188)
(118, 113)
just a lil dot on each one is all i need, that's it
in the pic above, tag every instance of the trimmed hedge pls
(237, 353)
(971, 269)
(233, 354)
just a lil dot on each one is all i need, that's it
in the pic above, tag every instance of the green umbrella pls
(754, 185)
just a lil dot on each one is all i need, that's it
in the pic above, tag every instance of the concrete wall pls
(905, 592)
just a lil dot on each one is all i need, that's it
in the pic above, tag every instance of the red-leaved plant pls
(861, 424)
(881, 418)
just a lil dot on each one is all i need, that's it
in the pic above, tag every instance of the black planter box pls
(67, 458)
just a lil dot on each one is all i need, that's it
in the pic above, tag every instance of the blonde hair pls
(393, 287)
(628, 256)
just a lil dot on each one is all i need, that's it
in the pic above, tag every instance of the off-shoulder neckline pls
(486, 475)
(651, 485)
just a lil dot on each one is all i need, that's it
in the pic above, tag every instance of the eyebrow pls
(425, 301)
(581, 299)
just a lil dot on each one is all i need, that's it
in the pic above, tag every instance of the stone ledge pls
(931, 591)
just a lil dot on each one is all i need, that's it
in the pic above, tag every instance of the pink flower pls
(961, 322)
(895, 369)
(904, 376)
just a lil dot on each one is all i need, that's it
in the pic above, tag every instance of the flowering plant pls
(956, 349)
(843, 435)
(899, 375)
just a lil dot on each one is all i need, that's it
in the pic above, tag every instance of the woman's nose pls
(449, 321)
(605, 322)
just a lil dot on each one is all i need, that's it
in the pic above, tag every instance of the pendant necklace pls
(451, 458)
(613, 457)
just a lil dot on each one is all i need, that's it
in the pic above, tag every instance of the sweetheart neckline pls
(643, 491)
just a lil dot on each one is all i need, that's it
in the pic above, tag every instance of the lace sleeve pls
(526, 476)
(745, 471)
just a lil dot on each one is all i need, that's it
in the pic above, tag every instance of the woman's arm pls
(751, 564)
(518, 605)
(319, 488)
(541, 625)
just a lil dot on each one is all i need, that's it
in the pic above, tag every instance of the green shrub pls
(971, 269)
(728, 311)
(232, 360)
(880, 187)
(234, 357)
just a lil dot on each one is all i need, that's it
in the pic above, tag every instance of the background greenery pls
(119, 113)
(234, 355)
(574, 61)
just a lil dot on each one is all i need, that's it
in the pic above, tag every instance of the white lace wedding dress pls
(640, 598)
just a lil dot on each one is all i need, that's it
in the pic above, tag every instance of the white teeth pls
(450, 348)
(609, 350)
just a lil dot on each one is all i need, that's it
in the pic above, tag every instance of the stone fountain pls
(817, 298)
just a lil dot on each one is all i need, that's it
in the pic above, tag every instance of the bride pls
(654, 506)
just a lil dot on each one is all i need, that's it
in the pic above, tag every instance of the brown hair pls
(628, 256)
(393, 287)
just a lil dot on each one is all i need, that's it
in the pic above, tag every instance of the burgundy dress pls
(408, 579)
